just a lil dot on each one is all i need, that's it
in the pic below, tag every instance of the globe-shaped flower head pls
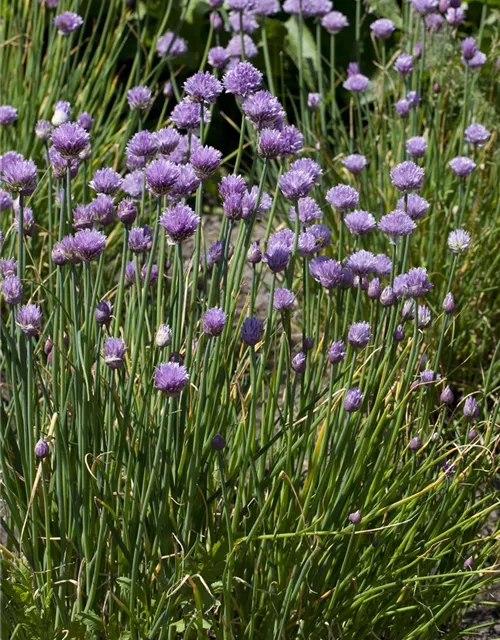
(477, 135)
(170, 45)
(161, 176)
(359, 335)
(283, 299)
(8, 115)
(171, 378)
(462, 166)
(355, 163)
(213, 322)
(12, 290)
(407, 176)
(180, 222)
(205, 161)
(106, 181)
(187, 115)
(70, 139)
(396, 224)
(243, 79)
(29, 320)
(334, 22)
(383, 28)
(19, 175)
(89, 244)
(67, 22)
(203, 87)
(343, 197)
(114, 352)
(252, 331)
(353, 400)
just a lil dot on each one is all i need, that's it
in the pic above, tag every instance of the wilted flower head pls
(43, 129)
(343, 197)
(67, 22)
(352, 402)
(359, 335)
(355, 163)
(414, 205)
(8, 115)
(471, 408)
(62, 113)
(163, 337)
(103, 311)
(106, 181)
(170, 45)
(462, 166)
(397, 223)
(252, 331)
(187, 115)
(12, 289)
(416, 147)
(477, 135)
(213, 322)
(89, 244)
(180, 222)
(19, 175)
(459, 240)
(360, 222)
(407, 176)
(334, 22)
(70, 139)
(404, 64)
(203, 87)
(139, 98)
(383, 28)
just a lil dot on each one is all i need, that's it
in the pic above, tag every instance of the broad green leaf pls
(387, 9)
(308, 50)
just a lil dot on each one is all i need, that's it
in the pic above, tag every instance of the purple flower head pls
(355, 163)
(143, 144)
(459, 240)
(277, 256)
(447, 396)
(230, 185)
(12, 289)
(102, 209)
(383, 28)
(82, 217)
(407, 176)
(8, 158)
(130, 274)
(269, 146)
(242, 21)
(140, 239)
(416, 147)
(313, 100)
(254, 255)
(42, 449)
(187, 115)
(161, 177)
(153, 276)
(163, 337)
(266, 7)
(103, 311)
(19, 175)
(134, 162)
(5, 200)
(462, 166)
(283, 299)
(28, 220)
(336, 352)
(89, 244)
(291, 140)
(449, 305)
(374, 289)
(352, 402)
(218, 58)
(415, 444)
(417, 283)
(308, 8)
(252, 331)
(309, 166)
(468, 47)
(360, 222)
(179, 153)
(167, 140)
(299, 362)
(471, 408)
(326, 271)
(8, 267)
(477, 135)
(399, 333)
(186, 184)
(477, 61)
(424, 317)
(171, 46)
(218, 442)
(361, 263)
(263, 110)
(216, 21)
(307, 245)
(180, 222)
(334, 22)
(413, 99)
(62, 113)
(343, 197)
(8, 115)
(205, 161)
(241, 5)
(70, 139)
(203, 87)
(127, 211)
(60, 165)
(65, 252)
(295, 184)
(243, 80)
(232, 206)
(249, 203)
(43, 129)
(285, 236)
(416, 206)
(359, 335)
(402, 108)
(234, 48)
(114, 352)
(106, 181)
(322, 235)
(67, 22)
(29, 320)
(434, 22)
(85, 120)
(213, 322)
(132, 184)
(356, 82)
(455, 16)
(215, 253)
(139, 98)
(423, 7)
(404, 64)
(309, 210)
(397, 223)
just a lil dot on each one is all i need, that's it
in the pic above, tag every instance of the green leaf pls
(308, 50)
(387, 9)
